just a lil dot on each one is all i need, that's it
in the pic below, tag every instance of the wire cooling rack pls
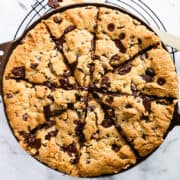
(139, 8)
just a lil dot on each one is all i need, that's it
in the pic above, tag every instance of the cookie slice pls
(45, 145)
(142, 120)
(105, 156)
(122, 36)
(78, 49)
(145, 74)
(40, 62)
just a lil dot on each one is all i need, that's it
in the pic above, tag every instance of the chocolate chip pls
(51, 134)
(69, 29)
(79, 130)
(147, 103)
(25, 116)
(106, 123)
(124, 69)
(105, 83)
(139, 41)
(120, 46)
(150, 72)
(54, 3)
(128, 106)
(59, 43)
(70, 149)
(115, 147)
(50, 85)
(122, 36)
(9, 95)
(147, 78)
(111, 27)
(110, 99)
(57, 19)
(19, 72)
(161, 81)
(34, 65)
(49, 124)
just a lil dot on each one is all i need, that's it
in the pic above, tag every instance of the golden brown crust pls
(88, 88)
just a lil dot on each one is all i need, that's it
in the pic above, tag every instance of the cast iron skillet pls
(8, 47)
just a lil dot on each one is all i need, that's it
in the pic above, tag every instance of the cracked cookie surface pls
(90, 91)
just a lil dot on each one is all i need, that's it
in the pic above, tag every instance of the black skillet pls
(8, 47)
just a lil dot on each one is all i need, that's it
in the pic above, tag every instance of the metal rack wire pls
(139, 8)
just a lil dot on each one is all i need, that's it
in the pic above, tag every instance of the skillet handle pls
(4, 49)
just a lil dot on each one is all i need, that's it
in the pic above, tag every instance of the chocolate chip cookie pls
(90, 91)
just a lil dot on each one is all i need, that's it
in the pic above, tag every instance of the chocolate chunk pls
(54, 3)
(34, 143)
(124, 69)
(147, 103)
(47, 112)
(31, 140)
(75, 160)
(34, 65)
(65, 83)
(79, 130)
(51, 134)
(9, 95)
(145, 118)
(150, 72)
(114, 59)
(49, 124)
(51, 98)
(19, 72)
(57, 19)
(161, 81)
(25, 116)
(50, 85)
(107, 123)
(105, 83)
(147, 78)
(57, 112)
(59, 43)
(120, 46)
(122, 36)
(115, 147)
(91, 67)
(70, 149)
(110, 99)
(111, 27)
(96, 57)
(69, 29)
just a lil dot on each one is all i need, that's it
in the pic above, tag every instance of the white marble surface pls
(15, 164)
